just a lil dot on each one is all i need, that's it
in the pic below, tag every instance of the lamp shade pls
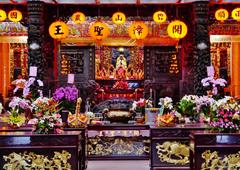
(78, 17)
(15, 15)
(119, 18)
(138, 30)
(99, 30)
(58, 30)
(177, 29)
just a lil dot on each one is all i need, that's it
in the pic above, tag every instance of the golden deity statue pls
(121, 67)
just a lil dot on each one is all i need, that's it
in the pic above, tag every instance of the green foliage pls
(186, 107)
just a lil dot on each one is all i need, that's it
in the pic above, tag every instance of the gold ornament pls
(214, 161)
(22, 161)
(173, 152)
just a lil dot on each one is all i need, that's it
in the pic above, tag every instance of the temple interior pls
(123, 84)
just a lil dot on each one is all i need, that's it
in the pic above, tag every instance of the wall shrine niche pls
(18, 60)
(164, 61)
(76, 60)
(119, 63)
(220, 59)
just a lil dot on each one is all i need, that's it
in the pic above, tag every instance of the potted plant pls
(226, 115)
(166, 105)
(213, 85)
(187, 107)
(67, 97)
(18, 109)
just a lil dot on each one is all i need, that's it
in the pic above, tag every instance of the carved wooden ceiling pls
(94, 2)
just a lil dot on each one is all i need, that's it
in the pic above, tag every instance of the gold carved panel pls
(31, 160)
(173, 152)
(213, 161)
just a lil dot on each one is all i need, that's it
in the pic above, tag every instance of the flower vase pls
(64, 115)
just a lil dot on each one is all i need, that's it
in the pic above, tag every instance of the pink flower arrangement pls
(139, 105)
(226, 120)
(48, 119)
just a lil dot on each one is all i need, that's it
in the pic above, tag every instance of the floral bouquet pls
(227, 102)
(187, 106)
(225, 115)
(166, 105)
(47, 120)
(48, 124)
(18, 109)
(139, 106)
(66, 96)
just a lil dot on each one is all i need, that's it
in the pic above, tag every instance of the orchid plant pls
(166, 104)
(67, 97)
(19, 107)
(213, 83)
(33, 88)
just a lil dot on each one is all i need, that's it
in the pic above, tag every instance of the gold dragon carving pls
(173, 152)
(213, 161)
(29, 161)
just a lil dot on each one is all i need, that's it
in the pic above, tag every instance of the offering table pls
(118, 141)
(170, 146)
(215, 150)
(21, 150)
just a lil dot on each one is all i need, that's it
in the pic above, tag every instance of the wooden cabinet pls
(25, 149)
(215, 150)
(170, 147)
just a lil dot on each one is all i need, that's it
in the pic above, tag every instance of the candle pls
(151, 92)
(49, 93)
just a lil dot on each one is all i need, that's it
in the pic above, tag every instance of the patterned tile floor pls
(118, 165)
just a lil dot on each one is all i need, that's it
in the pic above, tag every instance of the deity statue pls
(121, 67)
(121, 62)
